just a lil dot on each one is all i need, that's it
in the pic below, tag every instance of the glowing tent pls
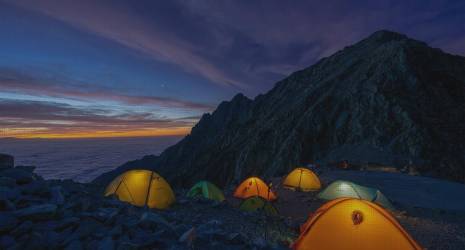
(302, 179)
(207, 190)
(339, 189)
(140, 188)
(353, 224)
(257, 203)
(253, 186)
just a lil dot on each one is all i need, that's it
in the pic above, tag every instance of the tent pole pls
(148, 191)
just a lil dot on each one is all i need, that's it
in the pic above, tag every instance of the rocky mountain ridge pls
(388, 100)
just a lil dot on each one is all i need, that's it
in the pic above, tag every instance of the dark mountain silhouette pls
(387, 100)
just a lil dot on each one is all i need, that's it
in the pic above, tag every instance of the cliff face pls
(387, 99)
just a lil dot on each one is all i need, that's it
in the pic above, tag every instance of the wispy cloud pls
(27, 119)
(18, 82)
(119, 24)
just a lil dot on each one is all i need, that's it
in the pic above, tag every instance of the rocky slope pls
(388, 100)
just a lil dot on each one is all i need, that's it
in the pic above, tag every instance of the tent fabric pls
(351, 224)
(302, 179)
(254, 186)
(257, 203)
(142, 187)
(207, 190)
(348, 189)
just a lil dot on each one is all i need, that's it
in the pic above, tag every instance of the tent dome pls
(339, 189)
(142, 187)
(254, 186)
(257, 203)
(353, 224)
(302, 179)
(207, 190)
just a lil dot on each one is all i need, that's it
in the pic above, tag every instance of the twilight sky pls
(93, 68)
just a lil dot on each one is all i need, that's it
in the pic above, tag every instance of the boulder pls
(74, 245)
(7, 222)
(56, 195)
(7, 182)
(6, 161)
(106, 244)
(149, 219)
(19, 175)
(7, 241)
(188, 237)
(37, 212)
(38, 188)
(8, 193)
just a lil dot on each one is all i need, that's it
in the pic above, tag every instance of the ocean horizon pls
(81, 159)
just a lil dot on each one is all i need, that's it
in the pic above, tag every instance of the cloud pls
(44, 119)
(119, 24)
(18, 82)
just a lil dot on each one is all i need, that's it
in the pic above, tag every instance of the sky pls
(97, 68)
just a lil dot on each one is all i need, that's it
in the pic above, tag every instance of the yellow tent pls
(353, 224)
(142, 187)
(253, 186)
(302, 179)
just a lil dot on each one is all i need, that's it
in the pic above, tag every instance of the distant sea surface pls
(81, 159)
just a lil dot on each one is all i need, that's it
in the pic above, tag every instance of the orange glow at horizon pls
(48, 134)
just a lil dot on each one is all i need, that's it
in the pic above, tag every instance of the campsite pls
(232, 125)
(143, 214)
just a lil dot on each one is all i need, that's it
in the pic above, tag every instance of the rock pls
(260, 243)
(38, 188)
(29, 169)
(7, 193)
(188, 237)
(74, 245)
(106, 244)
(152, 220)
(7, 222)
(37, 212)
(19, 175)
(116, 231)
(88, 227)
(23, 228)
(57, 196)
(6, 161)
(125, 245)
(6, 205)
(68, 222)
(7, 182)
(7, 241)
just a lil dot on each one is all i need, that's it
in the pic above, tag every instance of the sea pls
(81, 159)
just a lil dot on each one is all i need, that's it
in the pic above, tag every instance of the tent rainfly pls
(257, 203)
(339, 189)
(302, 179)
(353, 224)
(142, 188)
(207, 190)
(254, 186)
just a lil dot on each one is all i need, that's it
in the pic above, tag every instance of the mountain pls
(388, 100)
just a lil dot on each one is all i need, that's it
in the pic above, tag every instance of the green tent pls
(257, 203)
(340, 189)
(207, 190)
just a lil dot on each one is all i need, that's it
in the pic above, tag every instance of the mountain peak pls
(386, 36)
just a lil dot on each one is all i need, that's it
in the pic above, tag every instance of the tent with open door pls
(339, 189)
(353, 224)
(254, 186)
(142, 188)
(258, 204)
(207, 190)
(302, 179)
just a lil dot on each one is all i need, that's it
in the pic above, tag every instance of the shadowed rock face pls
(387, 100)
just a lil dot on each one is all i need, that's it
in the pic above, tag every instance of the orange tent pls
(353, 224)
(254, 186)
(302, 179)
